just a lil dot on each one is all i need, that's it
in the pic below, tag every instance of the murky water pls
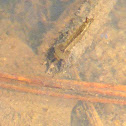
(29, 28)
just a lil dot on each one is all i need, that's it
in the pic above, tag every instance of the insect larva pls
(62, 50)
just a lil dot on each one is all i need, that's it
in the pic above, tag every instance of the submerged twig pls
(76, 86)
(60, 95)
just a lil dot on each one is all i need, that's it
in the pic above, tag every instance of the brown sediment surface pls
(99, 57)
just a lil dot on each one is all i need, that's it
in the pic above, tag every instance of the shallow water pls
(29, 28)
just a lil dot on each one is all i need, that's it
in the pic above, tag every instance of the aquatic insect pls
(62, 50)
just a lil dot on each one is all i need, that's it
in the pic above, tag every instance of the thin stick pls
(59, 95)
(78, 86)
